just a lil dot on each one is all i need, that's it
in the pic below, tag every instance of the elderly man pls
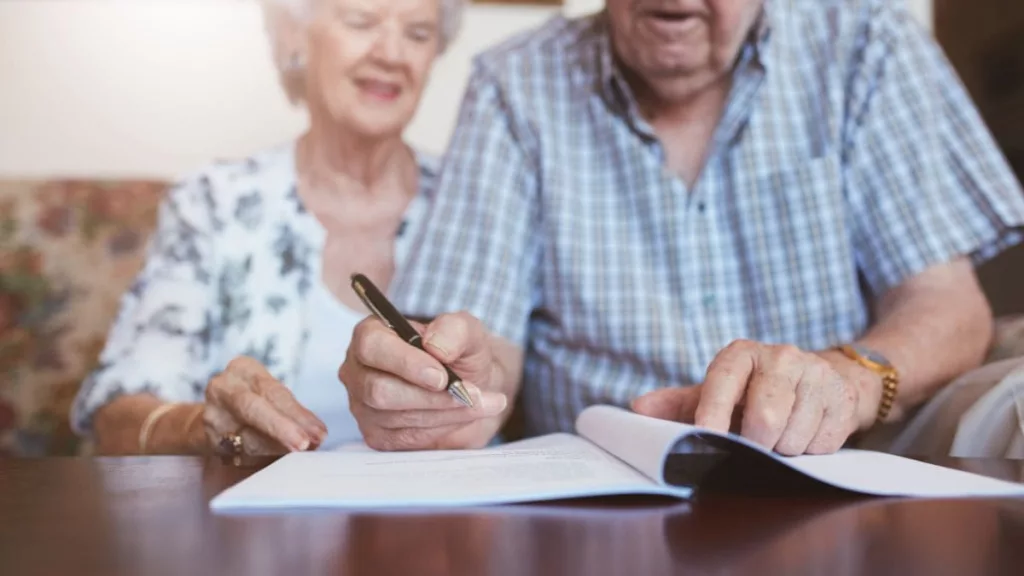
(756, 215)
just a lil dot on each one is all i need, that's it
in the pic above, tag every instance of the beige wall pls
(159, 87)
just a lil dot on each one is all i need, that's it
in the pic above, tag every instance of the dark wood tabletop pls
(150, 516)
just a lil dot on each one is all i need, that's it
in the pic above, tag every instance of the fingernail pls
(303, 445)
(438, 343)
(474, 393)
(434, 378)
(492, 403)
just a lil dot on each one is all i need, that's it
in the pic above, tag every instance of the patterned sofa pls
(67, 251)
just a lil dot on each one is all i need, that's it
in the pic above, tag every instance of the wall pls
(985, 42)
(159, 87)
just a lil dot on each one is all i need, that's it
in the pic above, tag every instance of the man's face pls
(676, 46)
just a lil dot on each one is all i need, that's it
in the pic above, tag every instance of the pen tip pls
(459, 391)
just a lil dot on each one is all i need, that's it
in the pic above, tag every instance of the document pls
(614, 452)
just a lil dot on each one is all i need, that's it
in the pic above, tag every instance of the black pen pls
(386, 313)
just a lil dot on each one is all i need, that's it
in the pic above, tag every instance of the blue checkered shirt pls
(849, 158)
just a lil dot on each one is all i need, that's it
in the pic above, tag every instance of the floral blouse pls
(227, 273)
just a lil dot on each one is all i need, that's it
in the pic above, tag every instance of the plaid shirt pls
(849, 158)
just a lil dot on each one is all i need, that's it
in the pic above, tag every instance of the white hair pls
(278, 15)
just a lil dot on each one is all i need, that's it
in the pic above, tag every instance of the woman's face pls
(368, 61)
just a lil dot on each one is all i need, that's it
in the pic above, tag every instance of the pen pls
(389, 315)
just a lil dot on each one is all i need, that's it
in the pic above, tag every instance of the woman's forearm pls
(118, 424)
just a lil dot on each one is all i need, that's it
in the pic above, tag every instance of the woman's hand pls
(246, 400)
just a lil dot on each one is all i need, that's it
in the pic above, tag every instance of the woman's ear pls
(289, 34)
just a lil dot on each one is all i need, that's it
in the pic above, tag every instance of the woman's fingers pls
(220, 423)
(283, 399)
(258, 413)
(238, 389)
(257, 444)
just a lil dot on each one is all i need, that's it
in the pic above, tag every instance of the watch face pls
(872, 356)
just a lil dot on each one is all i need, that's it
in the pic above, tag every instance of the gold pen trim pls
(361, 292)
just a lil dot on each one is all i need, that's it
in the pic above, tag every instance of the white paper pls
(640, 441)
(550, 467)
(866, 472)
(564, 466)
(880, 474)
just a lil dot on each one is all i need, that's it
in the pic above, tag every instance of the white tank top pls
(317, 386)
(331, 323)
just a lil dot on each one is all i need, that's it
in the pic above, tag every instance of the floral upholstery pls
(68, 249)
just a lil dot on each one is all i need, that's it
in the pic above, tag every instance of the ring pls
(232, 444)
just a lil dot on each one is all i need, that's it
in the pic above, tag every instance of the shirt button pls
(708, 301)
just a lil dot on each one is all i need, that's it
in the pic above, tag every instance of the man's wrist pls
(868, 383)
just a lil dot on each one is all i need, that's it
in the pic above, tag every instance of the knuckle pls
(377, 440)
(245, 404)
(739, 346)
(408, 439)
(377, 395)
(461, 319)
(392, 440)
(240, 364)
(766, 420)
(213, 387)
(363, 341)
(787, 354)
(345, 375)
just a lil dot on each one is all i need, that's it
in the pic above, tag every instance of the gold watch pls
(880, 365)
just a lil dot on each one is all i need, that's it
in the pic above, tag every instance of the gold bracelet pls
(150, 421)
(192, 419)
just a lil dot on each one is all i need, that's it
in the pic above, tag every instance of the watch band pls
(879, 365)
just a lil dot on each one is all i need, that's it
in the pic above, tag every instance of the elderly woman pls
(233, 332)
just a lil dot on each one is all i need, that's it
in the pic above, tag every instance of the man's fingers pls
(839, 418)
(486, 405)
(725, 385)
(283, 399)
(676, 404)
(771, 395)
(830, 435)
(377, 347)
(462, 342)
(808, 410)
(409, 438)
(384, 392)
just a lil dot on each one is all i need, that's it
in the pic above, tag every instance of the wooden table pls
(149, 516)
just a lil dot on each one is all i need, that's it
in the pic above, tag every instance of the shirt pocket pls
(796, 255)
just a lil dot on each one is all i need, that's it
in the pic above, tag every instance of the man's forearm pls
(933, 329)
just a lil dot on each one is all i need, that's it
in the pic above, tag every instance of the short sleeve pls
(926, 182)
(478, 249)
(161, 340)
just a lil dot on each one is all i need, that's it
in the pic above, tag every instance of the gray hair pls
(277, 13)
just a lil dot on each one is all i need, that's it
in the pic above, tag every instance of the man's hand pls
(397, 392)
(780, 397)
